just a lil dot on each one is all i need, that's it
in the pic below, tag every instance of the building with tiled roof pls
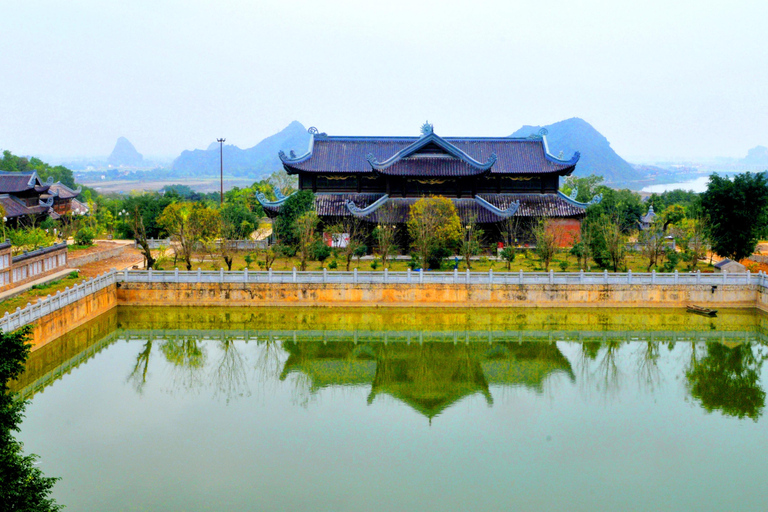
(489, 179)
(24, 196)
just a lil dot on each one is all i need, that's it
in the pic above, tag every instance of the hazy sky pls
(659, 79)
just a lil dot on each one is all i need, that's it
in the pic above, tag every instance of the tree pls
(470, 244)
(508, 255)
(293, 208)
(237, 223)
(190, 224)
(22, 485)
(385, 232)
(605, 238)
(353, 229)
(306, 226)
(737, 212)
(651, 242)
(587, 186)
(547, 238)
(434, 226)
(672, 215)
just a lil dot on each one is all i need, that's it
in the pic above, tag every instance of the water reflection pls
(431, 364)
(727, 379)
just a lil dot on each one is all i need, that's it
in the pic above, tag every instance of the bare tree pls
(470, 245)
(140, 235)
(651, 242)
(351, 227)
(547, 235)
(306, 226)
(385, 232)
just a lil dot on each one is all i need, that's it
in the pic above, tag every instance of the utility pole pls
(221, 161)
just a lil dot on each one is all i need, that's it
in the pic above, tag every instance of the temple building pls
(26, 198)
(489, 179)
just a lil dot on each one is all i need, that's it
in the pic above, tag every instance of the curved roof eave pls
(574, 202)
(298, 159)
(438, 141)
(363, 212)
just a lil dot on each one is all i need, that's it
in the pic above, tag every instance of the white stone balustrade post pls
(294, 274)
(325, 275)
(386, 275)
(676, 278)
(354, 275)
(490, 276)
(221, 274)
(421, 276)
(725, 273)
(176, 274)
(748, 275)
(653, 276)
(199, 274)
(245, 275)
(698, 276)
(468, 276)
(269, 274)
(520, 274)
(408, 275)
(455, 275)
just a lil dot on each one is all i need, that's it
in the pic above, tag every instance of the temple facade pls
(489, 179)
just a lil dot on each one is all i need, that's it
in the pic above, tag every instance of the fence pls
(455, 277)
(239, 245)
(32, 312)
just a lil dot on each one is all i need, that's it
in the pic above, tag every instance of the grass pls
(38, 291)
(525, 260)
(75, 247)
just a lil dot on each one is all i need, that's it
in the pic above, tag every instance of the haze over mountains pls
(125, 155)
(257, 161)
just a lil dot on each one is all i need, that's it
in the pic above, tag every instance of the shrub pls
(563, 266)
(375, 264)
(333, 265)
(85, 236)
(320, 251)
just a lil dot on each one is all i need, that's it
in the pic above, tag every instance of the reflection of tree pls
(230, 371)
(139, 373)
(727, 379)
(648, 364)
(607, 370)
(269, 362)
(186, 356)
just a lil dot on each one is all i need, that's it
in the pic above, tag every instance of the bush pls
(375, 264)
(437, 257)
(563, 266)
(85, 236)
(333, 265)
(320, 251)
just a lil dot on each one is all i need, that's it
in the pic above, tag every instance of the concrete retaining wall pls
(433, 295)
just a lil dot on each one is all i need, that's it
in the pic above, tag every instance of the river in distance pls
(194, 409)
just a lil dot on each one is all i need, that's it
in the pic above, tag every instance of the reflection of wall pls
(52, 359)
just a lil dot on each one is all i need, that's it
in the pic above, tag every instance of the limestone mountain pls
(757, 156)
(125, 155)
(597, 156)
(259, 160)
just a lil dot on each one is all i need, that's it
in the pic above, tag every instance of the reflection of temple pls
(429, 377)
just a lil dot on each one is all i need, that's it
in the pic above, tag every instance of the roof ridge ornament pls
(506, 213)
(571, 199)
(362, 212)
(312, 130)
(427, 128)
(432, 138)
(262, 199)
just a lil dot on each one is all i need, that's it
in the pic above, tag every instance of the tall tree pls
(470, 244)
(737, 212)
(434, 227)
(547, 238)
(306, 228)
(22, 485)
(349, 230)
(293, 208)
(190, 224)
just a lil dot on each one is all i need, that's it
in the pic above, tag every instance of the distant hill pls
(597, 156)
(756, 156)
(260, 160)
(125, 155)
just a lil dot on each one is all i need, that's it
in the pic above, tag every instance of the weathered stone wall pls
(64, 320)
(77, 261)
(433, 295)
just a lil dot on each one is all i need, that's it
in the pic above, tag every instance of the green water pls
(333, 410)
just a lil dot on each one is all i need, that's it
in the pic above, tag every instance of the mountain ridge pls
(256, 161)
(597, 156)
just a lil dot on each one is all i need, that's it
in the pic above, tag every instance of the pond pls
(386, 409)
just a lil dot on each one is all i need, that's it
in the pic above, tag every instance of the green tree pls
(547, 239)
(434, 228)
(306, 228)
(587, 186)
(293, 208)
(190, 224)
(22, 485)
(470, 244)
(737, 212)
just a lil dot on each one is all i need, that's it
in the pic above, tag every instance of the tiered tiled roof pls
(14, 207)
(409, 156)
(64, 192)
(397, 208)
(14, 182)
